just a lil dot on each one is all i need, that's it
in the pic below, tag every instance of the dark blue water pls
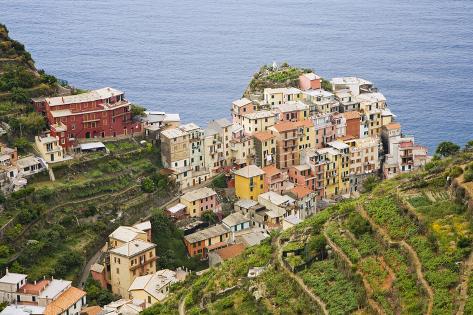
(195, 57)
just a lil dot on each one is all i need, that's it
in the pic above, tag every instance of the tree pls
(22, 144)
(147, 185)
(447, 148)
(370, 183)
(137, 110)
(210, 217)
(96, 295)
(19, 95)
(469, 146)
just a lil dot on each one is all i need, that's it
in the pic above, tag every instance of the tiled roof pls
(392, 126)
(271, 170)
(301, 191)
(91, 96)
(291, 125)
(198, 194)
(235, 219)
(263, 135)
(133, 248)
(64, 301)
(241, 102)
(231, 251)
(249, 171)
(126, 233)
(351, 115)
(205, 234)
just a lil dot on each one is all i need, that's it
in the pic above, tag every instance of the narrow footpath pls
(415, 259)
(369, 291)
(298, 279)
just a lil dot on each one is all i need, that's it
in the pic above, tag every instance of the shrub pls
(147, 185)
(447, 148)
(370, 183)
(455, 171)
(468, 176)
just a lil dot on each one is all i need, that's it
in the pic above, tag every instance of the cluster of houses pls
(14, 171)
(128, 267)
(288, 152)
(44, 297)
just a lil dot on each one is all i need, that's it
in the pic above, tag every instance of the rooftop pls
(339, 145)
(198, 194)
(292, 106)
(54, 288)
(176, 208)
(350, 80)
(392, 126)
(241, 102)
(235, 219)
(231, 251)
(126, 233)
(173, 133)
(249, 171)
(263, 135)
(276, 199)
(13, 278)
(207, 233)
(64, 301)
(351, 115)
(189, 127)
(27, 161)
(259, 114)
(91, 96)
(143, 226)
(133, 248)
(153, 283)
(271, 170)
(246, 203)
(311, 76)
(292, 219)
(301, 191)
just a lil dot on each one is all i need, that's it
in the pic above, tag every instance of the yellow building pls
(249, 182)
(258, 121)
(336, 169)
(49, 148)
(265, 148)
(200, 200)
(124, 234)
(129, 261)
(153, 288)
(278, 96)
(373, 105)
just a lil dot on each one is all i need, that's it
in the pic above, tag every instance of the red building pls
(101, 113)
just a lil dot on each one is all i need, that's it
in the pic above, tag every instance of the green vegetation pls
(171, 249)
(447, 148)
(96, 295)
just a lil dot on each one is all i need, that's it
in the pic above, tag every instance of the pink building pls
(309, 81)
(241, 107)
(308, 175)
(325, 130)
(275, 179)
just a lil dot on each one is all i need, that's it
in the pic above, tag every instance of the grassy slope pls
(417, 208)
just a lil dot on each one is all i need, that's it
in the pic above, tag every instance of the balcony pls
(143, 262)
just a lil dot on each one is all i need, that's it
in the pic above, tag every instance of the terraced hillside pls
(403, 248)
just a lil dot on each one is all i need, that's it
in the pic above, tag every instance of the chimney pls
(6, 272)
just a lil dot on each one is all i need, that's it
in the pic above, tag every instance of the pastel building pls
(309, 81)
(249, 182)
(321, 101)
(200, 200)
(275, 179)
(265, 148)
(258, 121)
(241, 107)
(325, 131)
(292, 111)
(204, 241)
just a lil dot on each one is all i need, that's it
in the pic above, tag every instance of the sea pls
(195, 57)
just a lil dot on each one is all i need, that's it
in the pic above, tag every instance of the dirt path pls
(182, 306)
(369, 290)
(463, 286)
(417, 264)
(298, 279)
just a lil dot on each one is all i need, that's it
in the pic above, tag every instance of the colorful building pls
(100, 113)
(265, 148)
(200, 200)
(249, 182)
(202, 242)
(309, 81)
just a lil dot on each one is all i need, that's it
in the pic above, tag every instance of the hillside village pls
(290, 149)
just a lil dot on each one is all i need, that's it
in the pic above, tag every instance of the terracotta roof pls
(301, 191)
(391, 126)
(249, 171)
(64, 301)
(271, 170)
(91, 310)
(34, 288)
(290, 125)
(351, 115)
(231, 251)
(263, 135)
